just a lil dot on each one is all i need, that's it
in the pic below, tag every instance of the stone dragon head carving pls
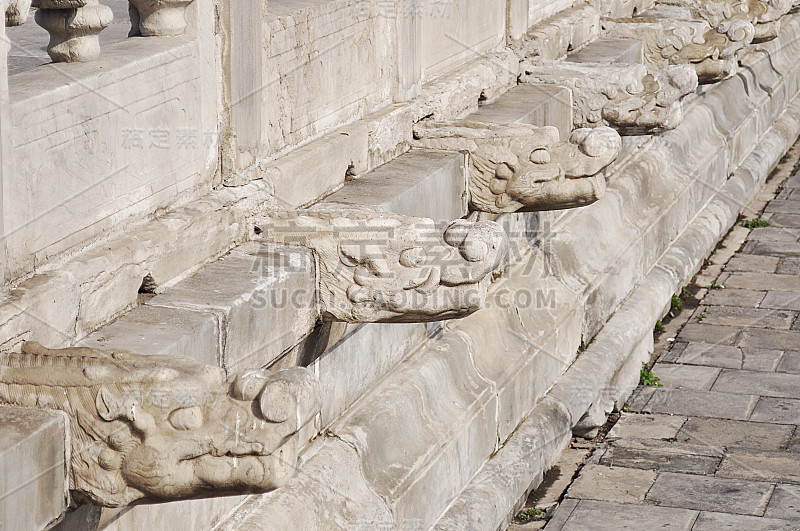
(376, 266)
(162, 428)
(765, 15)
(627, 97)
(524, 168)
(713, 52)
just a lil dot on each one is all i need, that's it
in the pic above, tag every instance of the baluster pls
(158, 18)
(74, 27)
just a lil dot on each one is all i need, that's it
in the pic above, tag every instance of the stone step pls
(532, 104)
(607, 50)
(33, 489)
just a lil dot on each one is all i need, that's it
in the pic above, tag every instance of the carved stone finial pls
(17, 12)
(376, 266)
(765, 15)
(713, 52)
(74, 27)
(520, 167)
(627, 97)
(158, 18)
(163, 428)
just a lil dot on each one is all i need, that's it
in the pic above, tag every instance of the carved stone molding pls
(765, 15)
(158, 18)
(163, 428)
(17, 12)
(713, 52)
(376, 266)
(74, 27)
(520, 167)
(625, 96)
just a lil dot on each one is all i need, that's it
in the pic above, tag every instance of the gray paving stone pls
(783, 206)
(721, 433)
(711, 355)
(673, 352)
(777, 411)
(787, 266)
(646, 426)
(790, 362)
(760, 383)
(763, 281)
(614, 484)
(701, 403)
(747, 317)
(718, 335)
(775, 234)
(639, 399)
(769, 339)
(783, 300)
(743, 298)
(710, 493)
(695, 377)
(781, 219)
(759, 359)
(664, 456)
(760, 465)
(768, 248)
(785, 503)
(752, 263)
(709, 521)
(591, 515)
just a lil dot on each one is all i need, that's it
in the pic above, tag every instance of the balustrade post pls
(158, 18)
(74, 27)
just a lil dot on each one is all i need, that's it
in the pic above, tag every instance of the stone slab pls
(264, 298)
(785, 503)
(771, 248)
(613, 484)
(694, 377)
(710, 355)
(788, 266)
(699, 333)
(644, 426)
(701, 403)
(721, 433)
(763, 281)
(532, 104)
(752, 264)
(662, 455)
(163, 331)
(790, 362)
(747, 317)
(743, 298)
(760, 465)
(783, 206)
(590, 515)
(783, 300)
(769, 339)
(33, 475)
(710, 493)
(711, 521)
(608, 50)
(760, 383)
(777, 410)
(422, 183)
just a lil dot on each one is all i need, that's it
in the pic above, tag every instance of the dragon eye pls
(540, 156)
(413, 257)
(190, 418)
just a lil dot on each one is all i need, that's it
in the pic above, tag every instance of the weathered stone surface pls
(718, 335)
(783, 300)
(746, 317)
(568, 30)
(376, 266)
(777, 410)
(517, 167)
(720, 433)
(643, 426)
(159, 19)
(790, 362)
(625, 96)
(686, 376)
(764, 14)
(768, 339)
(785, 503)
(132, 414)
(701, 403)
(74, 27)
(613, 484)
(608, 516)
(752, 264)
(539, 105)
(758, 465)
(710, 493)
(711, 521)
(662, 455)
(779, 385)
(33, 491)
(609, 51)
(742, 298)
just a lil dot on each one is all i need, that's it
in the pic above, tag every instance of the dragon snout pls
(599, 142)
(291, 396)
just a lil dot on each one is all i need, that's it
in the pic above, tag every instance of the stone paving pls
(718, 446)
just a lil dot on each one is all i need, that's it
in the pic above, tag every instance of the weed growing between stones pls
(659, 328)
(647, 378)
(755, 223)
(676, 304)
(529, 514)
